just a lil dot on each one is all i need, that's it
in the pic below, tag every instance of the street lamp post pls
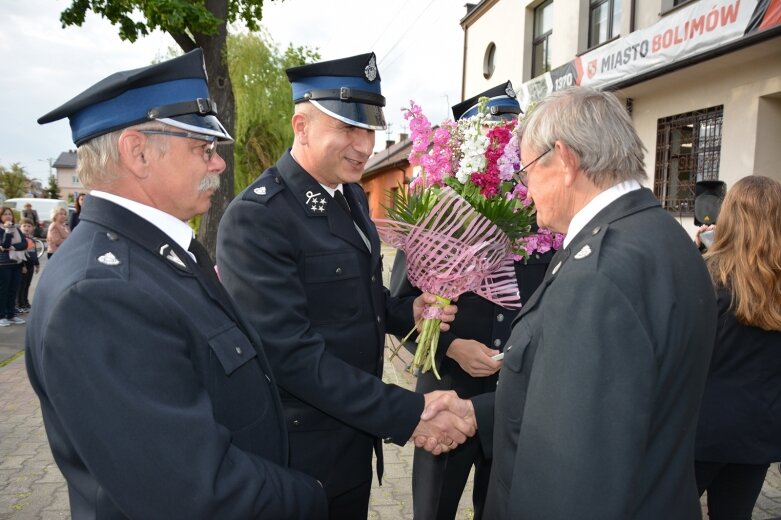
(50, 162)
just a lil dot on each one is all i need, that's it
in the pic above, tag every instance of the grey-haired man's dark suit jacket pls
(597, 403)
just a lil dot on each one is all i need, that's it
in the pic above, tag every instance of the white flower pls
(473, 148)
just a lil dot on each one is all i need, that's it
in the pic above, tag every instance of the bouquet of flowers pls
(465, 219)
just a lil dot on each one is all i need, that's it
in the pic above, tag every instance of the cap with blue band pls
(346, 89)
(502, 103)
(174, 92)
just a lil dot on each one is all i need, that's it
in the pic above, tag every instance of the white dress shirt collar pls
(597, 204)
(179, 231)
(332, 191)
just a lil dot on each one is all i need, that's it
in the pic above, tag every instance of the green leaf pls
(410, 205)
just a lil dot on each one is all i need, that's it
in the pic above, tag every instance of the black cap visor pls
(370, 117)
(207, 125)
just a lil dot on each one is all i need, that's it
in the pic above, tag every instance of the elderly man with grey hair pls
(596, 408)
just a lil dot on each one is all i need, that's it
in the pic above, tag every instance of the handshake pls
(446, 422)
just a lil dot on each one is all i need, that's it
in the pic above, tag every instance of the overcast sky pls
(418, 46)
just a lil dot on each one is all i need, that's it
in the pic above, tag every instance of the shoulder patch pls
(265, 187)
(109, 256)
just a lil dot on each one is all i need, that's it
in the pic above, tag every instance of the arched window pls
(488, 60)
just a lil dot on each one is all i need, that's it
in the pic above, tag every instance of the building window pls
(688, 147)
(488, 60)
(543, 29)
(604, 21)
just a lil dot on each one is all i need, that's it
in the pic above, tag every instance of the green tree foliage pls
(191, 23)
(13, 181)
(52, 191)
(263, 101)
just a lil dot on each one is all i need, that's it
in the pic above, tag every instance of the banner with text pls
(688, 32)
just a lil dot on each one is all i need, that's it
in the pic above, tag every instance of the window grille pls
(688, 148)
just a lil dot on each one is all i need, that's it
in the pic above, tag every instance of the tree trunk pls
(215, 53)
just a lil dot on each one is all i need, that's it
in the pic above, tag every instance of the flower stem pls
(428, 340)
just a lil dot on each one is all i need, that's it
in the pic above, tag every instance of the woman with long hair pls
(12, 246)
(74, 218)
(739, 433)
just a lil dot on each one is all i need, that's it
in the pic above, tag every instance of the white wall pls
(503, 24)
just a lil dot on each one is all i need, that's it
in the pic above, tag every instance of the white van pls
(42, 206)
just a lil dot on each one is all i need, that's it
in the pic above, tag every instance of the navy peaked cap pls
(174, 92)
(347, 89)
(502, 103)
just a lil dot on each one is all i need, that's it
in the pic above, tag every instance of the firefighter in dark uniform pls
(157, 397)
(464, 358)
(298, 252)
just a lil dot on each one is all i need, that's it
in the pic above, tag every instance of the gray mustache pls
(210, 182)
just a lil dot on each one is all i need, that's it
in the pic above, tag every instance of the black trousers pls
(732, 488)
(438, 481)
(352, 505)
(10, 276)
(22, 299)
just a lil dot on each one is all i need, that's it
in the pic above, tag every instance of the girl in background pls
(739, 432)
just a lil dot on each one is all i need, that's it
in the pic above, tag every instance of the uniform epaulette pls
(588, 253)
(264, 187)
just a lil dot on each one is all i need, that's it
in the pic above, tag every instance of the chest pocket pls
(240, 391)
(332, 282)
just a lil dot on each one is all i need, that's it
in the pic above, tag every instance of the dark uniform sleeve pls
(261, 272)
(117, 368)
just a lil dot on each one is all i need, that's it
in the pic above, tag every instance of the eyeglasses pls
(208, 150)
(522, 176)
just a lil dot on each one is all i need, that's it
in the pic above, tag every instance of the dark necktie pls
(212, 281)
(204, 260)
(342, 201)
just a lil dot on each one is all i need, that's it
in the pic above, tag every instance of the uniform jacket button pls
(497, 342)
(379, 319)
(338, 270)
(238, 350)
(500, 317)
(296, 422)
